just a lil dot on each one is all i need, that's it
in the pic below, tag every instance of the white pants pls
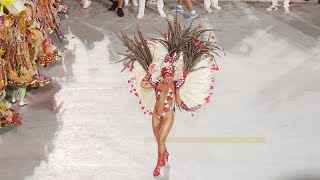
(134, 1)
(142, 5)
(83, 1)
(285, 3)
(207, 3)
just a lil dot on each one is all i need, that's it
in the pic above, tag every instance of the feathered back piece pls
(176, 38)
(202, 45)
(193, 42)
(137, 49)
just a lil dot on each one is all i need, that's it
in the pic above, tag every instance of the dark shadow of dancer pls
(26, 145)
(77, 24)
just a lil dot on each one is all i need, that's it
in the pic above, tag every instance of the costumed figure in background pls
(42, 49)
(142, 5)
(174, 71)
(22, 70)
(47, 16)
(7, 116)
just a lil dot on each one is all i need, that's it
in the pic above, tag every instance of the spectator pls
(213, 3)
(179, 8)
(275, 3)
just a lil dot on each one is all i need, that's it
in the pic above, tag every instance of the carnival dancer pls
(142, 5)
(174, 71)
(179, 8)
(21, 68)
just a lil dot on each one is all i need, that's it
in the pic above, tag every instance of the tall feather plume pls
(137, 50)
(177, 37)
(183, 40)
(200, 46)
(192, 41)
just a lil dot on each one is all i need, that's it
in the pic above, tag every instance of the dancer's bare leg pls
(156, 126)
(161, 129)
(166, 126)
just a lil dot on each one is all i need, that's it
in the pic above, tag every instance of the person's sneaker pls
(286, 10)
(177, 9)
(209, 10)
(120, 12)
(140, 14)
(126, 3)
(272, 8)
(162, 13)
(86, 4)
(217, 7)
(193, 16)
(24, 102)
(114, 6)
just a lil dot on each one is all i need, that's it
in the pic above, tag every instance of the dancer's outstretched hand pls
(193, 109)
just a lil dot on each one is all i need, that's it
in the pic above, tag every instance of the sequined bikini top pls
(169, 94)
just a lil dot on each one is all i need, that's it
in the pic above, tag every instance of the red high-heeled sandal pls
(165, 158)
(156, 170)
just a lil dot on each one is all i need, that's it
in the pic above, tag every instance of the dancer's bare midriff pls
(164, 103)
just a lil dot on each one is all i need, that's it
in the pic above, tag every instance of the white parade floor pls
(86, 124)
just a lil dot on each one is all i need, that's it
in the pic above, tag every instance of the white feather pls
(197, 85)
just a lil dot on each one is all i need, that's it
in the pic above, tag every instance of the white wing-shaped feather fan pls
(147, 98)
(198, 84)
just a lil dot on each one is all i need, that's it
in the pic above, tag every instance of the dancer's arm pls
(147, 82)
